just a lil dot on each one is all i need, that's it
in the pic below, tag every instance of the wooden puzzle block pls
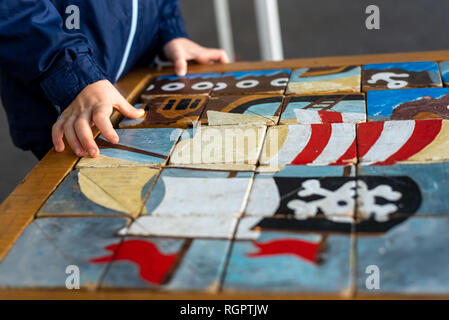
(324, 80)
(220, 145)
(179, 111)
(167, 264)
(404, 190)
(195, 226)
(252, 82)
(43, 253)
(187, 192)
(137, 147)
(249, 109)
(408, 104)
(194, 204)
(303, 192)
(390, 142)
(444, 70)
(250, 227)
(194, 83)
(101, 191)
(324, 109)
(411, 258)
(316, 144)
(286, 262)
(401, 75)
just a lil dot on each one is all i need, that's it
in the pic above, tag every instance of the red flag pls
(300, 248)
(153, 265)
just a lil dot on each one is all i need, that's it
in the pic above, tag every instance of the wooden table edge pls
(20, 207)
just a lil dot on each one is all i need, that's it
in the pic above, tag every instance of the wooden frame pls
(20, 208)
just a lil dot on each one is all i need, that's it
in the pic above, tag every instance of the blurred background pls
(308, 28)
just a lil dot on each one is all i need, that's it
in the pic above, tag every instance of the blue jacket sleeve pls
(36, 49)
(171, 24)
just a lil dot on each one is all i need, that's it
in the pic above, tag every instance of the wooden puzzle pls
(413, 252)
(403, 141)
(169, 111)
(101, 191)
(444, 70)
(191, 84)
(139, 147)
(324, 80)
(252, 82)
(408, 104)
(251, 109)
(57, 243)
(315, 144)
(324, 109)
(280, 181)
(401, 75)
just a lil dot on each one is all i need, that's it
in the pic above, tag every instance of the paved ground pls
(310, 28)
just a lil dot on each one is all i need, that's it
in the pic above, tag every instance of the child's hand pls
(93, 106)
(181, 50)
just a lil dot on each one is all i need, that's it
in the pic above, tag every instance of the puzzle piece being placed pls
(324, 109)
(401, 75)
(408, 104)
(169, 111)
(136, 147)
(324, 80)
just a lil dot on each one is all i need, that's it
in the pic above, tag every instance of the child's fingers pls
(180, 66)
(128, 110)
(101, 118)
(223, 57)
(84, 133)
(72, 139)
(212, 55)
(57, 133)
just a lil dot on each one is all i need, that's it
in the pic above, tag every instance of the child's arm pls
(37, 51)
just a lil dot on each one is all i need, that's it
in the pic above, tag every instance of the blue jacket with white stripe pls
(45, 63)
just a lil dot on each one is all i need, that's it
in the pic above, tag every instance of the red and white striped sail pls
(315, 144)
(314, 116)
(409, 140)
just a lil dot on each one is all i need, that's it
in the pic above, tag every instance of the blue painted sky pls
(190, 76)
(243, 74)
(381, 103)
(444, 67)
(408, 66)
